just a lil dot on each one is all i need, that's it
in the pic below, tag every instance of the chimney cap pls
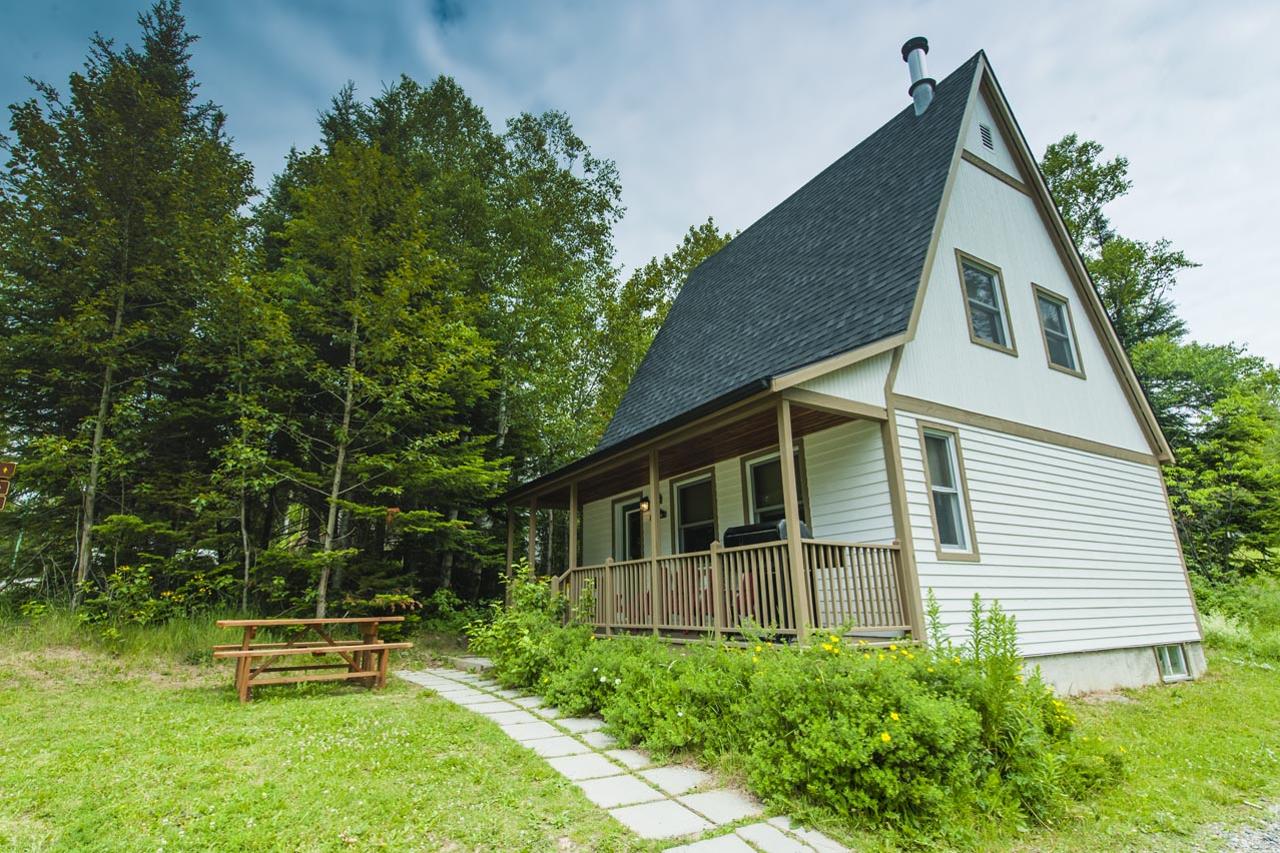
(914, 43)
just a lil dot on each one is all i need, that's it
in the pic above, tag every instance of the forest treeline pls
(310, 398)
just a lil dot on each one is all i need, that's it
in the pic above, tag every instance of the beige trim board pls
(914, 595)
(1177, 538)
(835, 362)
(836, 405)
(926, 408)
(994, 171)
(970, 554)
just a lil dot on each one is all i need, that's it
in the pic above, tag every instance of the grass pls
(104, 752)
(138, 742)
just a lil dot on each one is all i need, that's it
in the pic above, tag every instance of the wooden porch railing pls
(721, 591)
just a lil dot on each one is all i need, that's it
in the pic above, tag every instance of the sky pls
(724, 108)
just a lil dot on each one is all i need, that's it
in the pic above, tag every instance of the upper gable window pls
(1059, 332)
(985, 304)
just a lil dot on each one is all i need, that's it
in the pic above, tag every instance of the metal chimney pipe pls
(921, 88)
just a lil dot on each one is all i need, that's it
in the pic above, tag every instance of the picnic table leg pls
(244, 664)
(369, 635)
(381, 681)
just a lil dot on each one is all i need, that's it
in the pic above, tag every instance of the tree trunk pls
(446, 562)
(246, 548)
(84, 555)
(331, 526)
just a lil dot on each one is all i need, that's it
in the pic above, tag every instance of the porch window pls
(985, 305)
(628, 526)
(695, 515)
(764, 488)
(1059, 332)
(945, 481)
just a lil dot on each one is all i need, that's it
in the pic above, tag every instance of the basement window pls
(1172, 661)
(988, 140)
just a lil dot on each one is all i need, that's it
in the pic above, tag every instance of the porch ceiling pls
(737, 435)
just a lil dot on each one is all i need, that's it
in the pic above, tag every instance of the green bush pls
(1242, 616)
(900, 736)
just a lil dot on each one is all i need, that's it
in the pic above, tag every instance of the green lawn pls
(96, 755)
(106, 753)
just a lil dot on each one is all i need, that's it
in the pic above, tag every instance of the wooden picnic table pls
(365, 659)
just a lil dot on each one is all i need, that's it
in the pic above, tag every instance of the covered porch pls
(657, 561)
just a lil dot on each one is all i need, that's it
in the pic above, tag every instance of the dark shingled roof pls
(832, 268)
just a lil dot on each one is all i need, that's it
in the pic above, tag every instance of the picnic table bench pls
(364, 660)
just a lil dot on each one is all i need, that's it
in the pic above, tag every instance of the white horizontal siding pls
(863, 382)
(1079, 547)
(848, 486)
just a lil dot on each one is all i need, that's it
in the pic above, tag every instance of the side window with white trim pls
(948, 502)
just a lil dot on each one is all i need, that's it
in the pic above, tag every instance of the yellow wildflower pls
(931, 669)
(892, 647)
(893, 715)
(867, 655)
(834, 638)
(885, 737)
(759, 648)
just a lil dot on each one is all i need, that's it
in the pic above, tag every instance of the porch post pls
(909, 592)
(791, 510)
(511, 550)
(655, 511)
(533, 533)
(573, 526)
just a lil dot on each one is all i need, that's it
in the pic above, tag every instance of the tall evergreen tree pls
(118, 209)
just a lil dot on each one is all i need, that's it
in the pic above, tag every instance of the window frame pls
(970, 552)
(677, 527)
(963, 258)
(618, 519)
(1167, 676)
(1073, 340)
(748, 485)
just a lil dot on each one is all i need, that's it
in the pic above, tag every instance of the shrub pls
(899, 736)
(1242, 617)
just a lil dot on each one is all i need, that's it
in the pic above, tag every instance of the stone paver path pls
(677, 803)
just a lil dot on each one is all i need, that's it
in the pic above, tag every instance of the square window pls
(764, 489)
(695, 514)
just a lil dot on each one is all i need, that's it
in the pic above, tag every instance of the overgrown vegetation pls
(920, 741)
(1242, 617)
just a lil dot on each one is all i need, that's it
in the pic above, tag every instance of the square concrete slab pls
(630, 758)
(529, 702)
(585, 766)
(548, 713)
(663, 819)
(578, 725)
(598, 740)
(510, 715)
(508, 694)
(676, 780)
(722, 806)
(551, 747)
(490, 706)
(723, 844)
(472, 699)
(529, 731)
(617, 791)
(770, 839)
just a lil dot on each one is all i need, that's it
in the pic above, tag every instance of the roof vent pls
(921, 88)
(984, 130)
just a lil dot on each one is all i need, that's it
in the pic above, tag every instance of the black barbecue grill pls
(765, 531)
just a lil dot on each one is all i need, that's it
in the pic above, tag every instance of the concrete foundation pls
(1090, 672)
